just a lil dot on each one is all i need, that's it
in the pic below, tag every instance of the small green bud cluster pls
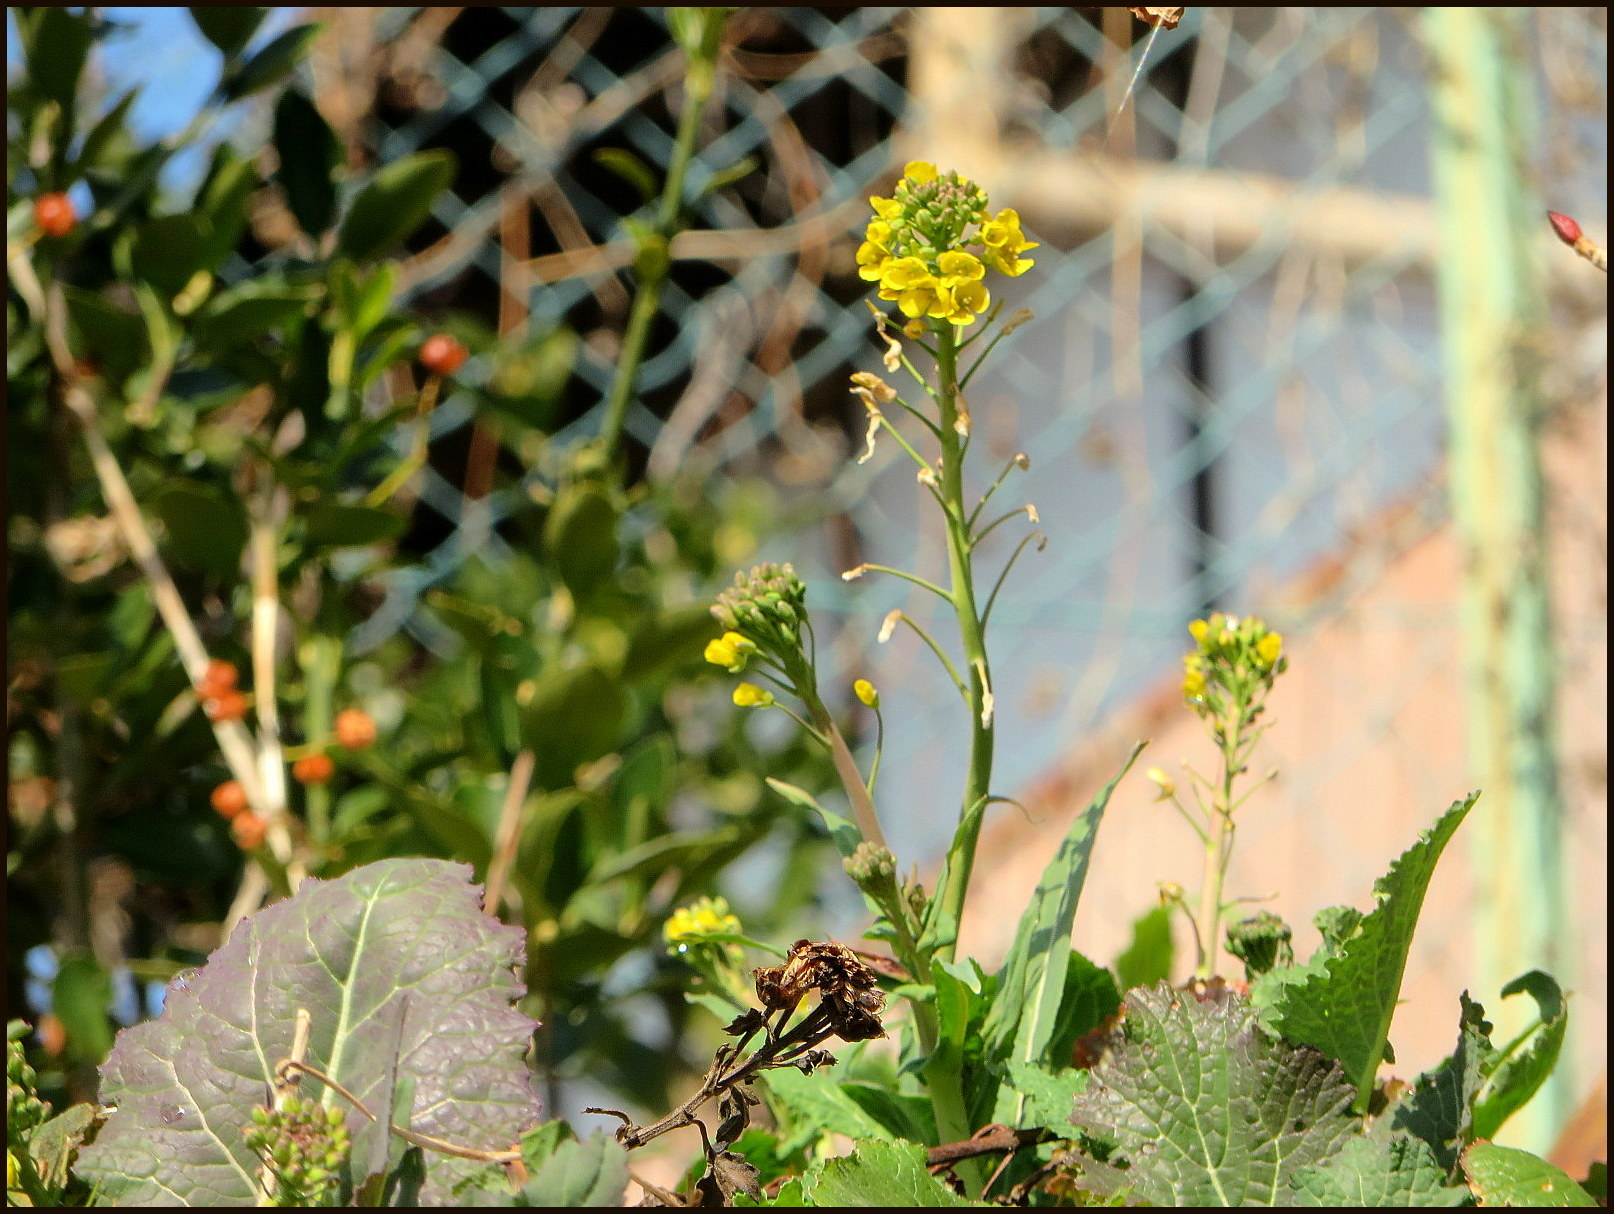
(872, 868)
(305, 1143)
(24, 1108)
(934, 213)
(1261, 942)
(766, 606)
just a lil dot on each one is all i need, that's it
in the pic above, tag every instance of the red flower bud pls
(442, 355)
(54, 214)
(1568, 230)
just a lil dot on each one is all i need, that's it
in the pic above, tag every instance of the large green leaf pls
(406, 979)
(1207, 1109)
(1378, 1170)
(593, 1172)
(270, 65)
(207, 529)
(580, 537)
(394, 204)
(1507, 1176)
(167, 251)
(1031, 985)
(1342, 1000)
(1148, 958)
(54, 50)
(879, 1173)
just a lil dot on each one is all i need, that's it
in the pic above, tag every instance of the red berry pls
(313, 769)
(228, 706)
(230, 799)
(54, 214)
(220, 678)
(1568, 230)
(249, 830)
(442, 355)
(354, 729)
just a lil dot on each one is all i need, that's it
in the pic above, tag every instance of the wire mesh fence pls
(1231, 396)
(1235, 366)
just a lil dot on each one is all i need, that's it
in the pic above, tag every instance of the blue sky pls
(162, 50)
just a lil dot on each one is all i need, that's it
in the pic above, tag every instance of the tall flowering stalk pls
(929, 249)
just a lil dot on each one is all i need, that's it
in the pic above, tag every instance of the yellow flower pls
(920, 298)
(1199, 629)
(730, 651)
(871, 261)
(1193, 685)
(968, 299)
(1268, 648)
(919, 171)
(865, 691)
(902, 273)
(749, 695)
(886, 208)
(961, 266)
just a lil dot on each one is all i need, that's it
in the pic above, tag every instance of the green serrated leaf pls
(879, 1173)
(1378, 1170)
(816, 1106)
(1049, 1096)
(1206, 1108)
(387, 997)
(1520, 1068)
(591, 1172)
(395, 202)
(309, 154)
(1342, 1000)
(1507, 1176)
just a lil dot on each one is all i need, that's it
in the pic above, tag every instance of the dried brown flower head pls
(847, 987)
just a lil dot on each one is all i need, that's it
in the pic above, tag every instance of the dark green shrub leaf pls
(309, 154)
(167, 252)
(1375, 1171)
(109, 125)
(574, 717)
(56, 52)
(270, 65)
(1507, 1176)
(206, 528)
(223, 199)
(405, 977)
(336, 525)
(1342, 1000)
(1206, 1108)
(580, 537)
(81, 995)
(114, 340)
(395, 203)
(252, 310)
(229, 29)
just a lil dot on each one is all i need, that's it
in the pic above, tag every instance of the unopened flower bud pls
(866, 692)
(1165, 786)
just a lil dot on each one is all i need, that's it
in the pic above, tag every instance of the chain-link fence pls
(1231, 397)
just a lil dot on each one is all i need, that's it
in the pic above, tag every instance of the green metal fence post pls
(1491, 301)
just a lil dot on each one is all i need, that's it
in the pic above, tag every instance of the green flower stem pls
(977, 785)
(655, 260)
(1219, 840)
(941, 656)
(986, 612)
(321, 660)
(907, 577)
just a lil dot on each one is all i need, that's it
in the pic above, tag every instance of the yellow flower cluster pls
(1232, 655)
(699, 921)
(930, 245)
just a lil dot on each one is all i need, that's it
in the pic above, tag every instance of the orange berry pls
(248, 831)
(230, 799)
(313, 769)
(52, 1034)
(354, 729)
(54, 214)
(229, 706)
(442, 355)
(220, 678)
